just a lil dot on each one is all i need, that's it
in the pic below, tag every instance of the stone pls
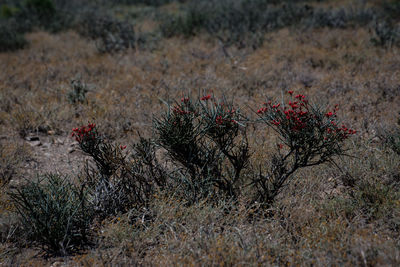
(59, 141)
(32, 138)
(46, 145)
(35, 143)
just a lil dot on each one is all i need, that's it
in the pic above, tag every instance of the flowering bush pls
(107, 157)
(118, 184)
(308, 136)
(206, 141)
(203, 139)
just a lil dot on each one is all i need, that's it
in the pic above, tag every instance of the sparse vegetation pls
(54, 213)
(230, 132)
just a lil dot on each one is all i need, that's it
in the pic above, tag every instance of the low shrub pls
(55, 213)
(78, 92)
(11, 159)
(385, 34)
(7, 11)
(118, 184)
(232, 22)
(244, 23)
(207, 144)
(208, 153)
(42, 10)
(391, 137)
(110, 34)
(143, 2)
(308, 136)
(10, 37)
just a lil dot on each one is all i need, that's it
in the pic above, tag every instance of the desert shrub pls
(110, 34)
(370, 200)
(11, 158)
(207, 145)
(393, 140)
(77, 94)
(143, 2)
(339, 17)
(391, 137)
(242, 23)
(7, 11)
(118, 184)
(28, 120)
(385, 34)
(233, 22)
(308, 136)
(148, 41)
(54, 213)
(43, 10)
(391, 9)
(375, 200)
(19, 17)
(10, 37)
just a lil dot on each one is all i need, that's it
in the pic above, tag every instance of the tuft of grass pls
(11, 159)
(54, 213)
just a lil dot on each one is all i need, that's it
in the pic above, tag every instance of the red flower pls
(122, 147)
(329, 114)
(219, 120)
(261, 110)
(290, 92)
(207, 97)
(276, 106)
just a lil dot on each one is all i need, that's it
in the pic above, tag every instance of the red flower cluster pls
(262, 110)
(343, 132)
(329, 114)
(205, 98)
(180, 111)
(219, 120)
(84, 132)
(298, 115)
(295, 117)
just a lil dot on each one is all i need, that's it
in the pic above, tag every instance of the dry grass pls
(325, 217)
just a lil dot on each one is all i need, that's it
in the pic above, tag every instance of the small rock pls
(71, 150)
(51, 132)
(59, 141)
(57, 264)
(35, 143)
(46, 145)
(47, 155)
(32, 138)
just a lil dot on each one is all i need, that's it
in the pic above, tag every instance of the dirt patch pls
(50, 154)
